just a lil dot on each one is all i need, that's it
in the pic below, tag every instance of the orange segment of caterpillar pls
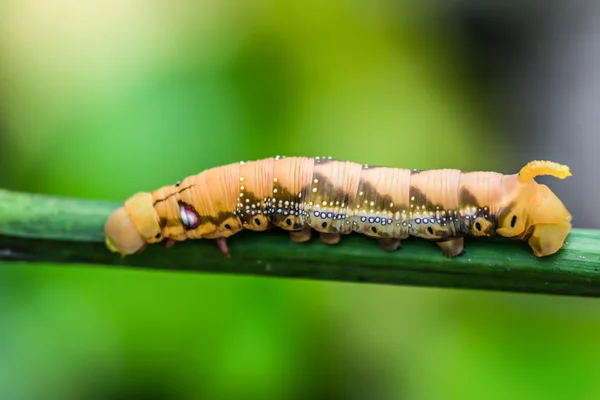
(335, 198)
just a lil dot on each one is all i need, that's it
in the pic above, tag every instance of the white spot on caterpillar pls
(316, 181)
(242, 187)
(360, 193)
(372, 203)
(314, 190)
(241, 163)
(324, 203)
(184, 217)
(241, 178)
(391, 204)
(241, 194)
(189, 218)
(412, 198)
(274, 190)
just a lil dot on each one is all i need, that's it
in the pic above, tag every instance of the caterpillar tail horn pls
(537, 168)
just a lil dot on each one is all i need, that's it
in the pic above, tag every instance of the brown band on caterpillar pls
(331, 189)
(483, 222)
(434, 204)
(255, 186)
(465, 197)
(290, 176)
(381, 201)
(334, 197)
(220, 200)
(478, 205)
(346, 177)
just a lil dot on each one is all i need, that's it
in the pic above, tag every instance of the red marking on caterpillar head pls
(189, 215)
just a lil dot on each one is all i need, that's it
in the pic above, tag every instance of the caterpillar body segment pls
(334, 198)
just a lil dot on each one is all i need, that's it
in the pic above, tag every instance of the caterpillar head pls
(129, 228)
(531, 211)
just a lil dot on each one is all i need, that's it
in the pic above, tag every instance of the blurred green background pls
(102, 99)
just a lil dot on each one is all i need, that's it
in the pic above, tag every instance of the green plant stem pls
(37, 228)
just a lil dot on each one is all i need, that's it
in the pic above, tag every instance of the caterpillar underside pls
(334, 198)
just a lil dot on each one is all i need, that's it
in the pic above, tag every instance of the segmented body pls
(329, 196)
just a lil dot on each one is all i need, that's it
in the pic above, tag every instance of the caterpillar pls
(334, 198)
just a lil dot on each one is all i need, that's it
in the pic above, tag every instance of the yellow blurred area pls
(103, 99)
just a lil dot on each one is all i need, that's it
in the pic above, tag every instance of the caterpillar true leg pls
(222, 243)
(452, 247)
(330, 238)
(301, 236)
(388, 244)
(169, 243)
